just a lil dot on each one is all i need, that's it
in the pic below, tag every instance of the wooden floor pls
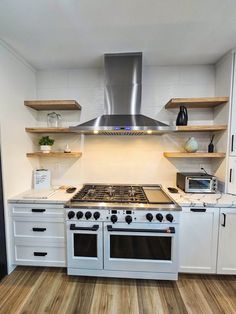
(50, 290)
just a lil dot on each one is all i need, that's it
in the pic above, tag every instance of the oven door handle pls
(93, 228)
(168, 230)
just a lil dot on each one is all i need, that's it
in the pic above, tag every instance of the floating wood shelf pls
(53, 104)
(55, 154)
(49, 130)
(208, 102)
(201, 128)
(193, 155)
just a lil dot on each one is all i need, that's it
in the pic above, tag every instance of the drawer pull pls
(38, 210)
(39, 229)
(40, 253)
(198, 210)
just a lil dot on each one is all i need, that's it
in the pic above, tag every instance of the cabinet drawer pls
(39, 228)
(40, 255)
(37, 210)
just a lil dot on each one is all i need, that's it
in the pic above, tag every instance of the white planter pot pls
(45, 148)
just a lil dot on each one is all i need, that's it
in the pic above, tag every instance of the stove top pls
(122, 196)
(111, 193)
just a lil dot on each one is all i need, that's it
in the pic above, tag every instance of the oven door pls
(199, 185)
(141, 247)
(85, 245)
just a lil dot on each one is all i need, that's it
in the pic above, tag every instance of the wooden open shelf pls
(206, 102)
(53, 104)
(201, 128)
(49, 130)
(55, 154)
(193, 155)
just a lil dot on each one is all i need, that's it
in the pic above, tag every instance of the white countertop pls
(207, 200)
(182, 199)
(58, 197)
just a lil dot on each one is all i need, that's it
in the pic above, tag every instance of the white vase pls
(45, 148)
(191, 146)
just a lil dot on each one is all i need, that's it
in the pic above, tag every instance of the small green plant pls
(46, 140)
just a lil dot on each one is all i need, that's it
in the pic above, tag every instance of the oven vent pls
(122, 133)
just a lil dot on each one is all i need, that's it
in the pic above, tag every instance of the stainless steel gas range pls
(123, 231)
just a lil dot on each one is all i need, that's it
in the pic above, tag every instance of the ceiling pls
(75, 33)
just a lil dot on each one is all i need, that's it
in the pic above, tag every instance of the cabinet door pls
(232, 175)
(232, 148)
(227, 242)
(198, 240)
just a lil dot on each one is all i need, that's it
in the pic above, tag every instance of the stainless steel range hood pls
(123, 91)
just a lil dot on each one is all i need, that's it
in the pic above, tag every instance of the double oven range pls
(122, 231)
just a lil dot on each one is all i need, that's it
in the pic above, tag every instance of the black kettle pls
(182, 118)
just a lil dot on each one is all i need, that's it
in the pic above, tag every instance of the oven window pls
(85, 245)
(199, 184)
(140, 247)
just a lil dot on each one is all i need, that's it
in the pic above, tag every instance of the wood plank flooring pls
(50, 290)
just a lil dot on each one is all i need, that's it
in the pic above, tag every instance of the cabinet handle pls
(40, 253)
(232, 143)
(230, 175)
(38, 210)
(198, 210)
(224, 220)
(39, 229)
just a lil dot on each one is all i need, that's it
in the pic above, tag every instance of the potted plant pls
(46, 144)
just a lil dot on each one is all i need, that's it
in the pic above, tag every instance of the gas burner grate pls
(111, 194)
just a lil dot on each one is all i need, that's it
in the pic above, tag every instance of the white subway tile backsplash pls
(122, 159)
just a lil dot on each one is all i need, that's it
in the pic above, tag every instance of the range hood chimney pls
(123, 93)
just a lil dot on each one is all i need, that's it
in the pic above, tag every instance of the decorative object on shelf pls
(191, 146)
(46, 144)
(182, 118)
(67, 149)
(54, 120)
(211, 145)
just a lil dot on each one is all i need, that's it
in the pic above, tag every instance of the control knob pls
(96, 215)
(88, 215)
(159, 217)
(79, 215)
(71, 214)
(128, 219)
(149, 217)
(169, 217)
(114, 219)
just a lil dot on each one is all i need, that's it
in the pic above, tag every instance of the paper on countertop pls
(39, 194)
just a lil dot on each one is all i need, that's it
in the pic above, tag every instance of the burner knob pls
(169, 217)
(149, 217)
(96, 215)
(114, 219)
(71, 214)
(159, 217)
(128, 219)
(79, 215)
(88, 215)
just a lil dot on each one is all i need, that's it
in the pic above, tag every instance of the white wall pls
(17, 83)
(125, 159)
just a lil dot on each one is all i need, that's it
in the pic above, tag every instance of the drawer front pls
(44, 255)
(37, 210)
(39, 228)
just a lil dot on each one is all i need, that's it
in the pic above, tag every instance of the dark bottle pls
(182, 118)
(211, 145)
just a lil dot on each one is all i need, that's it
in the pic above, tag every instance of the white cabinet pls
(198, 240)
(232, 175)
(232, 148)
(38, 232)
(226, 263)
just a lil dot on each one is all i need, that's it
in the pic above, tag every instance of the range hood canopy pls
(123, 91)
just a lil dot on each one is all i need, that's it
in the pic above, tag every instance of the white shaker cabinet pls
(232, 148)
(232, 175)
(198, 240)
(226, 263)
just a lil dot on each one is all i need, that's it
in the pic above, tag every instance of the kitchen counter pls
(58, 197)
(207, 200)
